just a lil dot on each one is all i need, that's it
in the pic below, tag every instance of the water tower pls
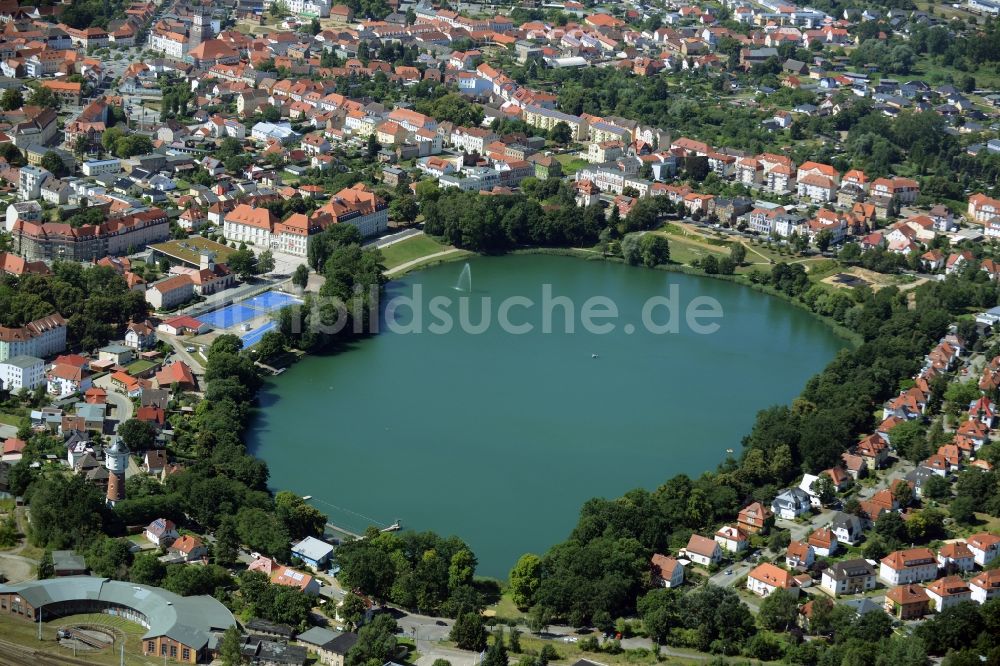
(116, 460)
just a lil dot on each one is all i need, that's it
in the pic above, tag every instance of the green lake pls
(499, 437)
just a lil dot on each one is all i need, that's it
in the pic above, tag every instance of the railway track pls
(12, 654)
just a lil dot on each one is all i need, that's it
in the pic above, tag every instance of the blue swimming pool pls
(270, 301)
(244, 311)
(254, 336)
(231, 315)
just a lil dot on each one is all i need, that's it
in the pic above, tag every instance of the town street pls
(123, 407)
(726, 579)
(801, 531)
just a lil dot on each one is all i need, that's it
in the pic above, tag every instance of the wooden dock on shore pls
(395, 527)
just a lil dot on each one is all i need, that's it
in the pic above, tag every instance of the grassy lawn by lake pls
(686, 247)
(410, 249)
(506, 609)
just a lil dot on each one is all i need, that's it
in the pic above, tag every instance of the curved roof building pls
(183, 628)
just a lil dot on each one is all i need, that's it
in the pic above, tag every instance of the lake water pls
(499, 438)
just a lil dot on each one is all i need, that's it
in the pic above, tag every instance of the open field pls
(506, 609)
(140, 367)
(571, 163)
(410, 249)
(855, 276)
(7, 418)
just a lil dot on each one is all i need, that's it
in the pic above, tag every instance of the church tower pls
(116, 460)
(201, 28)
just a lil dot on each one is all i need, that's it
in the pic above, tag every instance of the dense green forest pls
(95, 301)
(92, 13)
(418, 571)
(355, 280)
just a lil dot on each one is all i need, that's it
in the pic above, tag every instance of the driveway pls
(897, 471)
(424, 627)
(802, 530)
(180, 349)
(17, 568)
(122, 404)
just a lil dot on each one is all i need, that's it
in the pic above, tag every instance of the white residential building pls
(985, 547)
(848, 577)
(22, 372)
(100, 167)
(171, 44)
(947, 592)
(43, 338)
(985, 586)
(914, 565)
(29, 183)
(767, 578)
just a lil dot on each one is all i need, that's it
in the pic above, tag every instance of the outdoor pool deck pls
(255, 311)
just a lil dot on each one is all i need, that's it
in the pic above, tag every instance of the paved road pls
(180, 348)
(17, 568)
(898, 471)
(723, 579)
(123, 407)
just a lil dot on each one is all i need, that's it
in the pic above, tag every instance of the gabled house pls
(791, 503)
(140, 336)
(799, 555)
(855, 465)
(188, 548)
(983, 410)
(918, 477)
(955, 556)
(282, 575)
(848, 577)
(847, 528)
(914, 565)
(947, 592)
(154, 461)
(985, 547)
(666, 571)
(874, 449)
(823, 541)
(907, 602)
(703, 551)
(766, 578)
(161, 532)
(732, 539)
(985, 586)
(755, 518)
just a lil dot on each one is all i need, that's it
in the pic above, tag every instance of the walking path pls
(419, 260)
